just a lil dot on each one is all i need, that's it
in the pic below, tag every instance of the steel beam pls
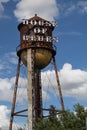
(58, 83)
(14, 95)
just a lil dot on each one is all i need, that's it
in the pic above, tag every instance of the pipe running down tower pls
(35, 51)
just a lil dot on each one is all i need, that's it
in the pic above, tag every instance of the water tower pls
(35, 51)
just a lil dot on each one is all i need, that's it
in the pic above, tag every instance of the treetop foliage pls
(66, 120)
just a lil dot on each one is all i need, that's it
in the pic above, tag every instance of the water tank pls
(36, 34)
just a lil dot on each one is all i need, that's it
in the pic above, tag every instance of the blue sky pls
(71, 16)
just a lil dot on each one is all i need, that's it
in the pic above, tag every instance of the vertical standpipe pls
(30, 68)
(33, 91)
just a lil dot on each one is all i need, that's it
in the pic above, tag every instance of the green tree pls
(67, 120)
(81, 114)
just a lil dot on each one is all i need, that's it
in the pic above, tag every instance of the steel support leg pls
(58, 83)
(14, 95)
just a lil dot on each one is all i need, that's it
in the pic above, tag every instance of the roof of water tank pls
(33, 18)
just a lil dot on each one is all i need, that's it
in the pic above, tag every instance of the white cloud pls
(6, 89)
(4, 112)
(7, 62)
(73, 81)
(5, 119)
(44, 8)
(67, 8)
(45, 95)
(47, 77)
(82, 6)
(11, 57)
(70, 7)
(2, 8)
(22, 89)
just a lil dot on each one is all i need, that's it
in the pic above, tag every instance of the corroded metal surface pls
(36, 33)
(14, 95)
(58, 84)
(36, 51)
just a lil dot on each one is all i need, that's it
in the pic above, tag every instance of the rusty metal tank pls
(36, 34)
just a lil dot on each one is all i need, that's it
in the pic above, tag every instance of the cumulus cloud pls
(73, 81)
(44, 8)
(73, 84)
(6, 89)
(4, 112)
(4, 118)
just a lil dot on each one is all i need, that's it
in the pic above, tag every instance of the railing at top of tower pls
(43, 42)
(18, 48)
